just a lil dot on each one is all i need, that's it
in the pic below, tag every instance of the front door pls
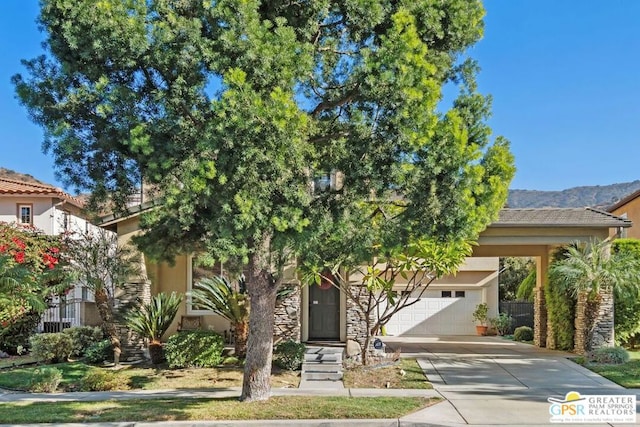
(324, 312)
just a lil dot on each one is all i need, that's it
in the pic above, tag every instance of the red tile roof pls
(13, 187)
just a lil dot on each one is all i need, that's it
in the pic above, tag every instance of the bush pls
(502, 323)
(201, 349)
(523, 333)
(609, 355)
(83, 337)
(289, 355)
(97, 379)
(51, 348)
(98, 352)
(17, 334)
(45, 380)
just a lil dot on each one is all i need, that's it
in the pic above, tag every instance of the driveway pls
(493, 381)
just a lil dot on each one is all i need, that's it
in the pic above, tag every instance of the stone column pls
(287, 314)
(130, 294)
(594, 321)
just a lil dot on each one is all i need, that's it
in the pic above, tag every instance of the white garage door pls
(434, 315)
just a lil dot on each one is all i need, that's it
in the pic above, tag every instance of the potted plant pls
(152, 320)
(480, 315)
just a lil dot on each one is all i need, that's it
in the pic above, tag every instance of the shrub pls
(199, 348)
(97, 379)
(609, 355)
(502, 323)
(83, 337)
(523, 333)
(17, 334)
(289, 354)
(45, 380)
(51, 348)
(98, 352)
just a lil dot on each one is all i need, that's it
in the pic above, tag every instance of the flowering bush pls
(30, 271)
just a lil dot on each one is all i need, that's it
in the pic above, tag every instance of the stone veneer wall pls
(356, 319)
(133, 346)
(287, 315)
(540, 318)
(594, 322)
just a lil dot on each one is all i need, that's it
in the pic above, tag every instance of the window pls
(445, 294)
(65, 220)
(460, 294)
(25, 214)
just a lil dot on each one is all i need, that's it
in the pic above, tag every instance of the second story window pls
(25, 214)
(65, 220)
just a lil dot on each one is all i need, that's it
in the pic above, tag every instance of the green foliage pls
(480, 314)
(17, 334)
(609, 355)
(153, 319)
(561, 313)
(98, 352)
(31, 269)
(51, 348)
(45, 380)
(201, 349)
(218, 295)
(526, 289)
(523, 333)
(513, 271)
(98, 379)
(502, 323)
(83, 337)
(289, 354)
(626, 300)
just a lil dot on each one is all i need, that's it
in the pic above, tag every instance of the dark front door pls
(324, 312)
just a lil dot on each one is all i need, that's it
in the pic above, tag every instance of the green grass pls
(289, 407)
(14, 361)
(626, 374)
(19, 378)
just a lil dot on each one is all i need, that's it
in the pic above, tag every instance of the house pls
(30, 202)
(629, 208)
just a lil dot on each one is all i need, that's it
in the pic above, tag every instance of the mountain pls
(598, 196)
(17, 176)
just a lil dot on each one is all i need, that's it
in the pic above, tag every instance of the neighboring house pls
(629, 208)
(53, 211)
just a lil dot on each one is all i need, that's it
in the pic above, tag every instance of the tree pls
(219, 296)
(513, 272)
(101, 265)
(229, 109)
(589, 271)
(626, 298)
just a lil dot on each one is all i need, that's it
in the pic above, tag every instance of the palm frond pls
(216, 294)
(153, 319)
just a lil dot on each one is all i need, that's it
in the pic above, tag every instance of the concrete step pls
(321, 376)
(323, 357)
(321, 367)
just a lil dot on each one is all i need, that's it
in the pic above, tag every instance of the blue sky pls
(564, 77)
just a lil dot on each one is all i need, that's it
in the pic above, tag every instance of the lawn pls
(626, 374)
(289, 407)
(406, 374)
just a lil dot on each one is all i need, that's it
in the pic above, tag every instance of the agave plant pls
(218, 295)
(153, 319)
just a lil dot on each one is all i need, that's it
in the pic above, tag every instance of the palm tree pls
(153, 319)
(218, 295)
(592, 273)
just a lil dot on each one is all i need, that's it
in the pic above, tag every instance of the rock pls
(353, 348)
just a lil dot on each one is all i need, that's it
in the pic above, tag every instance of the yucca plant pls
(153, 319)
(218, 295)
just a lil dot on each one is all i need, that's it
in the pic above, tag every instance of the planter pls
(481, 330)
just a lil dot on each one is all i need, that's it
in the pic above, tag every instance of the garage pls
(438, 312)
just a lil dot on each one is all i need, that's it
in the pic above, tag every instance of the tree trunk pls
(262, 291)
(108, 324)
(241, 330)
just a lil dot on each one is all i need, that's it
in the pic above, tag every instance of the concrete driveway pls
(493, 381)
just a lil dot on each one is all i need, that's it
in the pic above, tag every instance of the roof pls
(20, 188)
(624, 201)
(559, 217)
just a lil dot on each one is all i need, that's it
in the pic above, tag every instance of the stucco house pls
(53, 211)
(629, 207)
(315, 313)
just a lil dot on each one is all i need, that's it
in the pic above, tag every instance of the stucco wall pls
(631, 211)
